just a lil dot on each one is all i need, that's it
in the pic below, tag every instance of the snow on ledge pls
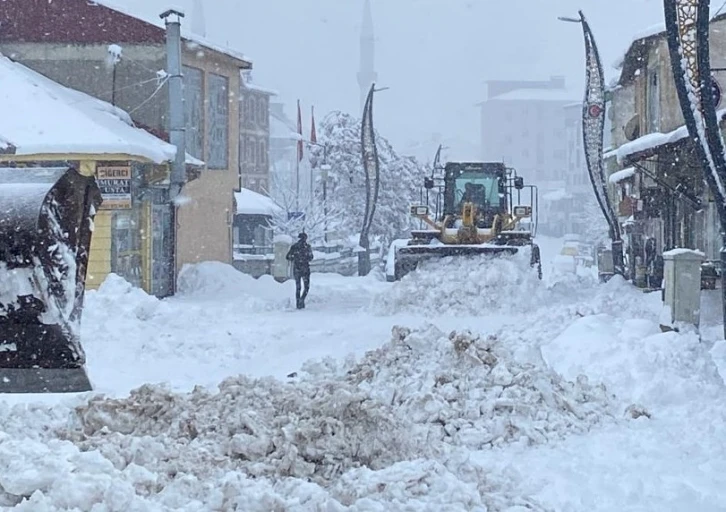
(679, 251)
(654, 140)
(621, 175)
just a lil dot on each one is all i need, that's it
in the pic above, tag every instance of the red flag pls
(313, 134)
(299, 132)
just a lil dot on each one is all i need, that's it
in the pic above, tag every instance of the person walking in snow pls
(301, 254)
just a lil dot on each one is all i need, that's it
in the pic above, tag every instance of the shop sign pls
(114, 181)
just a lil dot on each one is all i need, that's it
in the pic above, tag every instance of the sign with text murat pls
(114, 181)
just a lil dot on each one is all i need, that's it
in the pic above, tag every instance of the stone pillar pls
(682, 294)
(280, 265)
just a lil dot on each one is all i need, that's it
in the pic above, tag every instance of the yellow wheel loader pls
(478, 210)
(46, 221)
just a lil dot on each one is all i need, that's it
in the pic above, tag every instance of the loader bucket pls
(46, 217)
(407, 258)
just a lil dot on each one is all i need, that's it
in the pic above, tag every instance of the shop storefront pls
(132, 236)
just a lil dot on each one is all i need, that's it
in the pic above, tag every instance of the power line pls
(719, 10)
(164, 81)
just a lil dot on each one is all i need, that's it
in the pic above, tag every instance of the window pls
(217, 122)
(263, 153)
(243, 112)
(263, 112)
(253, 110)
(653, 102)
(193, 111)
(248, 154)
(253, 156)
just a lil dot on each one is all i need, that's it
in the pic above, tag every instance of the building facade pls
(254, 143)
(283, 153)
(121, 59)
(656, 180)
(523, 124)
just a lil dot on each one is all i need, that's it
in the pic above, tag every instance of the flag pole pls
(297, 159)
(312, 180)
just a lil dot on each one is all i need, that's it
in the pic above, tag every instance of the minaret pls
(199, 23)
(367, 71)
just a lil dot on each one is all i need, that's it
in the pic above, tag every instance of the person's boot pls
(300, 304)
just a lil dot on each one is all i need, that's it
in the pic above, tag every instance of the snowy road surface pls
(478, 388)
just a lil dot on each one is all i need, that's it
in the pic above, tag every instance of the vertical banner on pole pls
(371, 168)
(593, 131)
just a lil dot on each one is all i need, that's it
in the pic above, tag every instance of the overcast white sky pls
(433, 54)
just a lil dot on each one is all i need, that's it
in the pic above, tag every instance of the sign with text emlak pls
(114, 181)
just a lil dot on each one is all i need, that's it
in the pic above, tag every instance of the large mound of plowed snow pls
(349, 428)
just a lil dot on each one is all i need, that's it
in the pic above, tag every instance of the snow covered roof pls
(632, 57)
(248, 84)
(279, 129)
(527, 94)
(252, 203)
(40, 116)
(264, 90)
(193, 41)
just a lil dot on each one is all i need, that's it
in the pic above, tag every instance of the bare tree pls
(320, 217)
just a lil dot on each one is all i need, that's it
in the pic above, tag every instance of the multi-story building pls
(120, 58)
(283, 154)
(523, 124)
(254, 143)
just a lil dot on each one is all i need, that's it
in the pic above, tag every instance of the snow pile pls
(212, 280)
(391, 430)
(472, 392)
(129, 304)
(266, 428)
(465, 286)
(636, 361)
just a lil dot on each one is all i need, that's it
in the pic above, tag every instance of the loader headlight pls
(522, 211)
(418, 210)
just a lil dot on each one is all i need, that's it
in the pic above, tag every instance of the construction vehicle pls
(46, 222)
(477, 210)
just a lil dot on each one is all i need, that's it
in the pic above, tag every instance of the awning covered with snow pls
(622, 175)
(42, 117)
(252, 203)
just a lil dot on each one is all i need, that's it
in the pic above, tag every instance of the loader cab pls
(481, 183)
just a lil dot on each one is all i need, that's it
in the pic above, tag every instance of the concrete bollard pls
(682, 294)
(280, 265)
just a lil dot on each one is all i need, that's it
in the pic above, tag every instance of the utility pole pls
(177, 135)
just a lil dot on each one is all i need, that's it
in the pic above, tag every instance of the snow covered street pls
(482, 389)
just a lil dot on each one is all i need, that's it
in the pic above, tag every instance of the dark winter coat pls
(301, 254)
